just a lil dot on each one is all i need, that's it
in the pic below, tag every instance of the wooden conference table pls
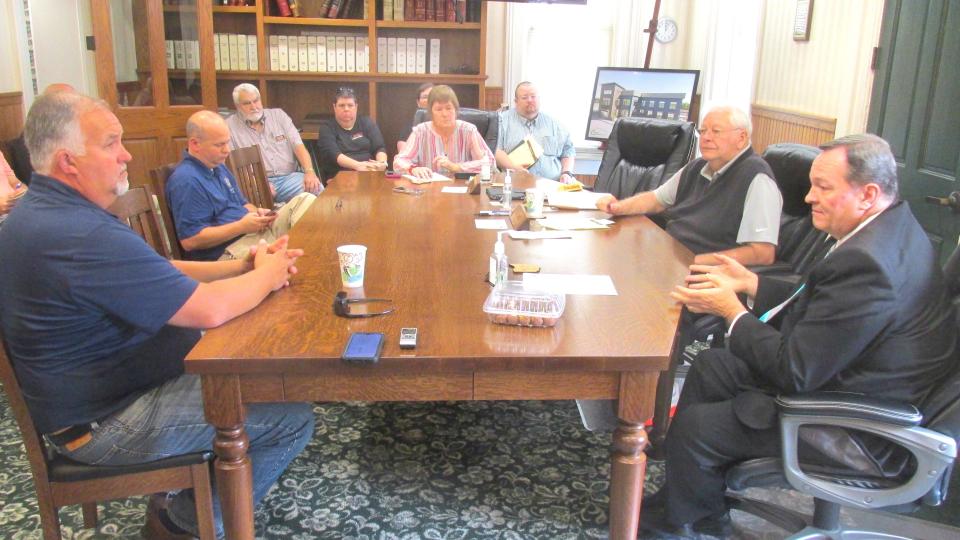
(425, 254)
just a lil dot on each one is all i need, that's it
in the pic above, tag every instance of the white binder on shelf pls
(242, 64)
(341, 42)
(411, 55)
(283, 53)
(350, 49)
(401, 55)
(180, 57)
(303, 54)
(293, 53)
(435, 56)
(321, 53)
(363, 55)
(312, 54)
(382, 55)
(234, 52)
(224, 52)
(216, 52)
(171, 62)
(421, 55)
(392, 55)
(253, 62)
(331, 53)
(274, 52)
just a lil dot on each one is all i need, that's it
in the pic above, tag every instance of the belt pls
(72, 437)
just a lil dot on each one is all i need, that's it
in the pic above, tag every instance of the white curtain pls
(559, 47)
(731, 54)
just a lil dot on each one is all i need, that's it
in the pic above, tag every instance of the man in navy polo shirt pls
(97, 324)
(211, 215)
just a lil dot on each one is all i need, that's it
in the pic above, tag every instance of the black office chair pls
(487, 122)
(642, 154)
(917, 451)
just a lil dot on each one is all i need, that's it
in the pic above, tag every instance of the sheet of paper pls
(579, 200)
(538, 235)
(454, 189)
(573, 223)
(582, 284)
(437, 177)
(490, 224)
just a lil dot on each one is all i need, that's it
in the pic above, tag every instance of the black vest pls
(706, 215)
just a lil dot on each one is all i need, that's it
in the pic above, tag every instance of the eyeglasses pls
(341, 306)
(714, 132)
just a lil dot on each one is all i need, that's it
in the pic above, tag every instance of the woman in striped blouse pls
(444, 144)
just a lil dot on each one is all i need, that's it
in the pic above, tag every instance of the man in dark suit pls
(872, 317)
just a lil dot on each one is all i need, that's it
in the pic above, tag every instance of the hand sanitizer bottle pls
(507, 190)
(497, 273)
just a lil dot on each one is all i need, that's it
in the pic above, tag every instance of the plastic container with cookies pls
(512, 303)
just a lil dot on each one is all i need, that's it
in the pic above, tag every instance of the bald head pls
(208, 138)
(57, 88)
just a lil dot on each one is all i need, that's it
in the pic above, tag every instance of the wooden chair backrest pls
(158, 178)
(138, 209)
(32, 441)
(246, 164)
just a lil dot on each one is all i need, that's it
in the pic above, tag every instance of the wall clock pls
(666, 30)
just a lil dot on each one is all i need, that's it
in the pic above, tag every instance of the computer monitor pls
(639, 92)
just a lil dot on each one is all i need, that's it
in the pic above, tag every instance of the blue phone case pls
(363, 347)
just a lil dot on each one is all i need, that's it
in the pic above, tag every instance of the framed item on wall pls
(801, 20)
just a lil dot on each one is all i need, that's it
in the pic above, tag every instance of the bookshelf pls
(387, 97)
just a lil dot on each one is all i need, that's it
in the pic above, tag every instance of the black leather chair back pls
(642, 154)
(487, 122)
(791, 170)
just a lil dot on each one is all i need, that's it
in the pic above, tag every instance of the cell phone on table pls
(391, 174)
(363, 348)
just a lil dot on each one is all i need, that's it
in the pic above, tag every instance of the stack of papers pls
(435, 178)
(579, 200)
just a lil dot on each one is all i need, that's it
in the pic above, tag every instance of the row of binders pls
(320, 53)
(407, 55)
(235, 52)
(183, 54)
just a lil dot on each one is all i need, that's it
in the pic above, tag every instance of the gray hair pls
(869, 161)
(737, 117)
(244, 87)
(53, 124)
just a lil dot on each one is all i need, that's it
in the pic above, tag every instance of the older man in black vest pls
(724, 202)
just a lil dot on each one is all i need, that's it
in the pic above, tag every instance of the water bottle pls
(497, 272)
(507, 190)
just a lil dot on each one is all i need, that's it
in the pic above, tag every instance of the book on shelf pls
(274, 42)
(420, 10)
(363, 54)
(283, 8)
(411, 55)
(233, 52)
(391, 55)
(331, 53)
(293, 54)
(242, 49)
(312, 65)
(334, 9)
(421, 55)
(189, 59)
(450, 11)
(401, 55)
(410, 10)
(302, 52)
(322, 53)
(224, 46)
(350, 48)
(283, 54)
(387, 14)
(253, 62)
(460, 8)
(381, 55)
(435, 56)
(325, 7)
(171, 63)
(216, 52)
(294, 8)
(179, 56)
(398, 9)
(341, 42)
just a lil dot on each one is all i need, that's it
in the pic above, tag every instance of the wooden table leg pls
(224, 409)
(629, 465)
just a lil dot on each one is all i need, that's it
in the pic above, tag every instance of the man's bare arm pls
(750, 254)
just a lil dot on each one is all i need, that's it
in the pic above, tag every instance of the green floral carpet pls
(396, 471)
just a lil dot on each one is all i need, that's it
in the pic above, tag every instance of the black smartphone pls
(463, 175)
(363, 347)
(496, 194)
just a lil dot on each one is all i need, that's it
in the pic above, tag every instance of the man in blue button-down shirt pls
(210, 213)
(526, 120)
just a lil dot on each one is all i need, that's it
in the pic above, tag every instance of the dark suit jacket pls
(874, 318)
(20, 160)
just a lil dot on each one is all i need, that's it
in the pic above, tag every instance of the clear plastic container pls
(512, 304)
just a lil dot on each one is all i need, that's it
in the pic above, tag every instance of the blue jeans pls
(287, 186)
(168, 421)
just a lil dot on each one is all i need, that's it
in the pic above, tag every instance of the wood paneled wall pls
(771, 125)
(11, 115)
(493, 98)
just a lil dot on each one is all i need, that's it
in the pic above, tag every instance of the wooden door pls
(914, 106)
(151, 100)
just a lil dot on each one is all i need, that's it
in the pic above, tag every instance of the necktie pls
(772, 312)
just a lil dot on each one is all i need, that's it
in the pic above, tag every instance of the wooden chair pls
(158, 178)
(139, 209)
(246, 164)
(61, 481)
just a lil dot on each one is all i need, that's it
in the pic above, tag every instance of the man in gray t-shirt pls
(288, 163)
